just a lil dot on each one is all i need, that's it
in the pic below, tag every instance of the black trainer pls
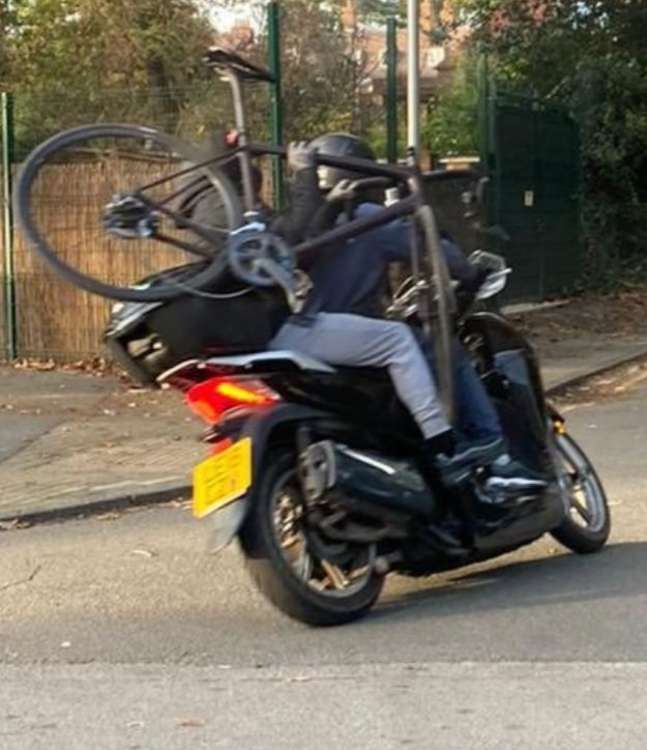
(458, 467)
(481, 452)
(509, 475)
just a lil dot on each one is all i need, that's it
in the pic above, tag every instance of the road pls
(120, 632)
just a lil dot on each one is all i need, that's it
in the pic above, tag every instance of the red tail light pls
(213, 398)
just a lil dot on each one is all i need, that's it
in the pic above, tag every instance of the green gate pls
(532, 153)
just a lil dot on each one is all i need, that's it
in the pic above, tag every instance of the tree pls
(323, 69)
(321, 73)
(543, 43)
(84, 60)
(588, 55)
(451, 125)
(6, 24)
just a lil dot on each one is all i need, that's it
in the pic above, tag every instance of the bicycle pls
(236, 242)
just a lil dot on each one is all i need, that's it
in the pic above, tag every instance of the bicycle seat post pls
(244, 159)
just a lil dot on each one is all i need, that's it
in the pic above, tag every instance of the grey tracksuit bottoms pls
(356, 341)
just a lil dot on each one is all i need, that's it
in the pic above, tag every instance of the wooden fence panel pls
(54, 318)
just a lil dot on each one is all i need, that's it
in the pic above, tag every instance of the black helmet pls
(340, 144)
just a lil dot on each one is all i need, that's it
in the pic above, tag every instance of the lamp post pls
(413, 74)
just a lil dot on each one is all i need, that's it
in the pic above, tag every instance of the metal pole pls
(392, 90)
(413, 74)
(276, 109)
(7, 126)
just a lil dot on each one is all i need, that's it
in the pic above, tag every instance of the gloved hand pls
(301, 155)
(343, 191)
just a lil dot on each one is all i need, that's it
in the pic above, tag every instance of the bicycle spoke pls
(67, 204)
(201, 182)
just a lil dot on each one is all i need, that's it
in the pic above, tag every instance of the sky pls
(225, 18)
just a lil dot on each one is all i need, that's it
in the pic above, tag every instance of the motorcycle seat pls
(365, 373)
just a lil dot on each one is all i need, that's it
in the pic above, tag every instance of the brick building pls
(368, 42)
(437, 60)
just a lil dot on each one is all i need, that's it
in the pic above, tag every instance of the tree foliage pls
(77, 61)
(588, 55)
(451, 124)
(323, 69)
(72, 61)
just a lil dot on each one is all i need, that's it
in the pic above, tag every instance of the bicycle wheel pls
(66, 198)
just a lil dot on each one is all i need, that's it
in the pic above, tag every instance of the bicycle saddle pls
(219, 57)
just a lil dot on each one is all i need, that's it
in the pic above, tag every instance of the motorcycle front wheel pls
(587, 525)
(307, 577)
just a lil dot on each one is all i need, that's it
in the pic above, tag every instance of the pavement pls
(120, 631)
(73, 442)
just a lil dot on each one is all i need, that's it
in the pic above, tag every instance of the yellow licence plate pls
(222, 478)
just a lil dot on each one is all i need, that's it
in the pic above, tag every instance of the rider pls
(340, 323)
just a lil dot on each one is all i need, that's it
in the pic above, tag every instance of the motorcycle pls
(315, 469)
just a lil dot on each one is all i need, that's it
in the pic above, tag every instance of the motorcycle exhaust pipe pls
(366, 479)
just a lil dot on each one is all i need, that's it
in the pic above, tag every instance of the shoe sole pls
(451, 478)
(512, 501)
(515, 484)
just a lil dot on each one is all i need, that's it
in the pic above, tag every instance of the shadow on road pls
(618, 571)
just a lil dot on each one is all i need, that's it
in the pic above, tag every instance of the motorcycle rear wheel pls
(587, 526)
(289, 569)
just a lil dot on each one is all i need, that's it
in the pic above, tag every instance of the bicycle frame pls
(413, 204)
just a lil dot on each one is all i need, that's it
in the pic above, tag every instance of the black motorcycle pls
(314, 468)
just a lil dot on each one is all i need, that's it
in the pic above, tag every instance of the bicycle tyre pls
(44, 152)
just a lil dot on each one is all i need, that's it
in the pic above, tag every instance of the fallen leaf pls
(107, 516)
(183, 504)
(144, 552)
(190, 723)
(66, 644)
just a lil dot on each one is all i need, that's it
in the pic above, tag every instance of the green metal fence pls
(7, 293)
(531, 151)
